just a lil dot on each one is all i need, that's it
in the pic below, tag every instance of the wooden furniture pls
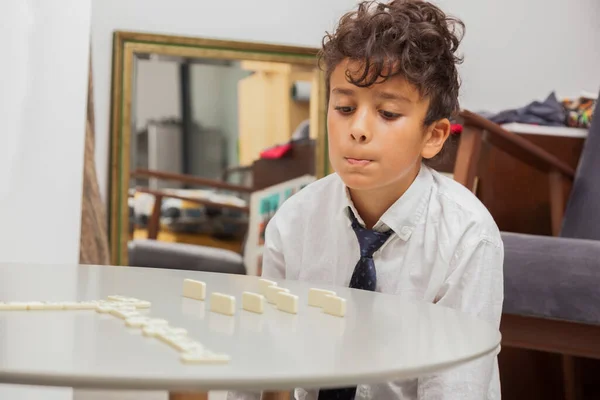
(298, 162)
(568, 339)
(188, 396)
(268, 114)
(154, 229)
(564, 344)
(478, 138)
(515, 193)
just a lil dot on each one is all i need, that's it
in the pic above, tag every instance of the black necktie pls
(364, 277)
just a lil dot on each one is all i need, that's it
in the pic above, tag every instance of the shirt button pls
(405, 233)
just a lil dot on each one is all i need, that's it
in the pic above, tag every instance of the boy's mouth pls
(358, 161)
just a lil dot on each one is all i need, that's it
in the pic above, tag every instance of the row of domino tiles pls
(97, 305)
(127, 309)
(269, 291)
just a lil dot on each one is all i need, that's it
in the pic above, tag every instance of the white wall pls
(43, 81)
(43, 92)
(156, 91)
(230, 120)
(207, 95)
(214, 93)
(208, 104)
(516, 51)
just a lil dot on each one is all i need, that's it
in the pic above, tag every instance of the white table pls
(389, 338)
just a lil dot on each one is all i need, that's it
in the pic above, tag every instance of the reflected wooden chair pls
(160, 195)
(206, 253)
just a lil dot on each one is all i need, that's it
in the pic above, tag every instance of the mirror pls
(198, 125)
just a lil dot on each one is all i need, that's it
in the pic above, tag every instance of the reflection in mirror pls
(203, 117)
(200, 134)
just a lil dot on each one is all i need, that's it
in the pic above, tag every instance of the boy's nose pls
(360, 137)
(359, 130)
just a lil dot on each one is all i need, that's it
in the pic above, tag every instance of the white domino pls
(122, 307)
(81, 305)
(222, 303)
(178, 341)
(194, 289)
(204, 357)
(253, 302)
(287, 302)
(124, 313)
(103, 308)
(120, 298)
(13, 306)
(106, 306)
(264, 284)
(36, 305)
(156, 322)
(334, 305)
(171, 331)
(158, 329)
(136, 322)
(189, 346)
(129, 301)
(46, 305)
(141, 304)
(272, 292)
(56, 305)
(153, 330)
(316, 297)
(177, 331)
(180, 344)
(170, 338)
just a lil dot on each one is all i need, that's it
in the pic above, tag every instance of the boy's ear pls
(436, 136)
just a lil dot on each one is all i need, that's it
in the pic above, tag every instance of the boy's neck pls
(372, 204)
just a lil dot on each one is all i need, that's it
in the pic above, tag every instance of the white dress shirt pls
(446, 249)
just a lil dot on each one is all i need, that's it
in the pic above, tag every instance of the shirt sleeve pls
(273, 262)
(474, 286)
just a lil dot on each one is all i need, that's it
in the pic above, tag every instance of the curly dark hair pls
(411, 38)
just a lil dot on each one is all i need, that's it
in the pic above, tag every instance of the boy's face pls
(376, 134)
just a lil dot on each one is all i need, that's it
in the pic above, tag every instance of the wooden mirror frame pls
(126, 45)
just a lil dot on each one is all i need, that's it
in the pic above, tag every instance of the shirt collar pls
(403, 216)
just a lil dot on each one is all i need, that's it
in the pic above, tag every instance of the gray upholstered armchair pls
(155, 254)
(552, 283)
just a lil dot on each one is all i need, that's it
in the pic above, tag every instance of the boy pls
(393, 84)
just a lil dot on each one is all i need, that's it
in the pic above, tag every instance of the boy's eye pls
(389, 115)
(344, 109)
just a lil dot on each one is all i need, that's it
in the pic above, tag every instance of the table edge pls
(198, 385)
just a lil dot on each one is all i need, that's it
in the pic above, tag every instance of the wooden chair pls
(479, 134)
(160, 195)
(538, 269)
